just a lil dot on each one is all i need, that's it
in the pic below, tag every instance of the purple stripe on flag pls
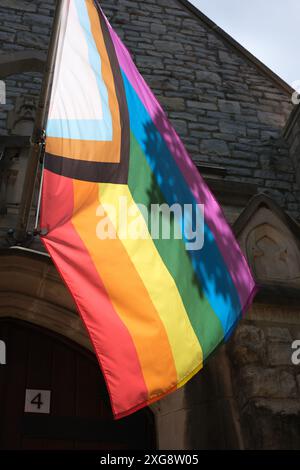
(227, 244)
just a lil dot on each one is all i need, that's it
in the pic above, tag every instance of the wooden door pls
(79, 416)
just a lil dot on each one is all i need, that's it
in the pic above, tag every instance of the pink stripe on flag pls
(227, 244)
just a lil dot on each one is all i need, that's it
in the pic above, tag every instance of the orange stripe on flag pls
(124, 286)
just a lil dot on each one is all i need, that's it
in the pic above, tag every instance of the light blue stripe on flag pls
(85, 129)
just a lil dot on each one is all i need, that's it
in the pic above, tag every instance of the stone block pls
(156, 28)
(280, 354)
(276, 333)
(7, 36)
(231, 59)
(262, 382)
(228, 106)
(233, 127)
(180, 126)
(168, 46)
(248, 345)
(174, 104)
(271, 424)
(208, 77)
(34, 19)
(208, 106)
(214, 147)
(274, 119)
(31, 40)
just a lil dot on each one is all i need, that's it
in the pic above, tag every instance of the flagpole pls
(38, 137)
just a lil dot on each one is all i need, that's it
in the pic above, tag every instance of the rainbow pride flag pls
(155, 307)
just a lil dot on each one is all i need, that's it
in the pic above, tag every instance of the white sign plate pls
(37, 401)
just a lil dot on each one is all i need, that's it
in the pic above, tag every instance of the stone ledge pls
(231, 192)
(14, 141)
(22, 61)
(278, 294)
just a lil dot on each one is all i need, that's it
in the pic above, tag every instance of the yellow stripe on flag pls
(144, 255)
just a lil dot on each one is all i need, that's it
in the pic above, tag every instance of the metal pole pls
(37, 139)
(39, 200)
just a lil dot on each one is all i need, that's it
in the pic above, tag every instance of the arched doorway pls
(53, 396)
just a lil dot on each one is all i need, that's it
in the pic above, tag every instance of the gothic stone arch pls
(270, 240)
(52, 396)
(32, 293)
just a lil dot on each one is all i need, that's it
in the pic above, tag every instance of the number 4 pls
(37, 400)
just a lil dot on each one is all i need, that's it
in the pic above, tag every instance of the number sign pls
(37, 401)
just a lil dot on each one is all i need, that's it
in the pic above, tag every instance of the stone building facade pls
(238, 123)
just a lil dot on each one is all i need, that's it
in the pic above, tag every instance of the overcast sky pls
(268, 28)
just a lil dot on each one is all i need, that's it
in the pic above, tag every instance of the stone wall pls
(248, 394)
(24, 25)
(266, 382)
(226, 110)
(292, 136)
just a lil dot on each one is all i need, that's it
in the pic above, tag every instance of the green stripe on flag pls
(146, 191)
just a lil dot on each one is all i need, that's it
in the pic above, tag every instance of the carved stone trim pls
(32, 290)
(263, 200)
(270, 240)
(21, 61)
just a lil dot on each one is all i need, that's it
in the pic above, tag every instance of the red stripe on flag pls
(112, 342)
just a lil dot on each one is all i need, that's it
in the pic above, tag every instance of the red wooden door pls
(80, 415)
